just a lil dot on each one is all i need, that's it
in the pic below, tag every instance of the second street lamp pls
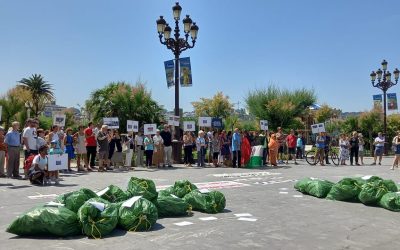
(384, 82)
(177, 45)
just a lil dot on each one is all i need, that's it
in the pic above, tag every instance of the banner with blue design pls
(169, 72)
(186, 72)
(392, 101)
(377, 101)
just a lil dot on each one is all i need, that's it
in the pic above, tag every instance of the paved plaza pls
(263, 211)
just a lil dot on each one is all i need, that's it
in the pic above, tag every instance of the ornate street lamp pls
(177, 45)
(384, 82)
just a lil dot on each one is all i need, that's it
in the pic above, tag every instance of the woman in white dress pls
(344, 149)
(79, 138)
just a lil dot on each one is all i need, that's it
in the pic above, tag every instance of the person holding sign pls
(320, 144)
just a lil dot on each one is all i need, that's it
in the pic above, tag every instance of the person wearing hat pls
(3, 150)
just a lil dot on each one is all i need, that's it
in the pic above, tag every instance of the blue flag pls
(392, 101)
(186, 72)
(169, 72)
(377, 101)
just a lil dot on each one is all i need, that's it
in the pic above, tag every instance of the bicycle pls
(312, 160)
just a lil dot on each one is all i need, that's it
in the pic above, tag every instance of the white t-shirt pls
(42, 162)
(30, 134)
(40, 142)
(380, 142)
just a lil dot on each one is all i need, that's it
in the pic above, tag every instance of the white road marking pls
(283, 192)
(42, 196)
(247, 219)
(243, 215)
(183, 223)
(248, 174)
(297, 196)
(283, 189)
(212, 185)
(208, 218)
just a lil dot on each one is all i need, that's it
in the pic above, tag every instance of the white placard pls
(189, 126)
(205, 121)
(318, 128)
(177, 120)
(132, 126)
(99, 205)
(173, 120)
(264, 125)
(101, 192)
(111, 122)
(150, 129)
(59, 120)
(130, 202)
(57, 162)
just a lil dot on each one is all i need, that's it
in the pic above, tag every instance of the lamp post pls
(384, 82)
(177, 45)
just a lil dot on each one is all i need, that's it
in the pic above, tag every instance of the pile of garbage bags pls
(369, 190)
(98, 214)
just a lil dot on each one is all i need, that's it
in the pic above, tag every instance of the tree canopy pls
(217, 106)
(125, 101)
(280, 107)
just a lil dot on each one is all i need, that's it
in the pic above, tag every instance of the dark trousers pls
(237, 156)
(91, 155)
(299, 153)
(327, 155)
(149, 157)
(353, 153)
(188, 155)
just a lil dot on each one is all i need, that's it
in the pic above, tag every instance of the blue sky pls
(79, 46)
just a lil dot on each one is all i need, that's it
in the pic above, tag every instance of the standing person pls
(327, 147)
(379, 143)
(167, 138)
(13, 142)
(299, 146)
(91, 145)
(229, 139)
(112, 145)
(273, 147)
(81, 152)
(3, 150)
(291, 141)
(201, 148)
(320, 144)
(69, 147)
(103, 139)
(130, 143)
(245, 148)
(55, 148)
(361, 146)
(396, 145)
(187, 149)
(236, 145)
(149, 148)
(158, 155)
(344, 151)
(216, 148)
(29, 137)
(280, 137)
(224, 144)
(354, 147)
(41, 138)
(139, 149)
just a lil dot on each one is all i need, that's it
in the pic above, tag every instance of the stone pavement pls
(263, 211)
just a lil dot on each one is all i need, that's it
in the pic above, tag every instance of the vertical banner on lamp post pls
(169, 72)
(186, 72)
(392, 101)
(377, 101)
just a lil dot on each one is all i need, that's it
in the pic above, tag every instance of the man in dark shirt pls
(354, 147)
(167, 138)
(327, 147)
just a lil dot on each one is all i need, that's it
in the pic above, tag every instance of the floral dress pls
(344, 150)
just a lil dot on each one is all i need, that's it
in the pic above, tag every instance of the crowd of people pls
(219, 148)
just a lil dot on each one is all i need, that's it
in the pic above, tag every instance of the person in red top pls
(291, 143)
(91, 145)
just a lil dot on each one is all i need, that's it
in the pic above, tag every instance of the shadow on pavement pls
(18, 187)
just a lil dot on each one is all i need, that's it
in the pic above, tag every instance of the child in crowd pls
(54, 175)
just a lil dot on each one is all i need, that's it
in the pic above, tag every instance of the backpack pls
(28, 162)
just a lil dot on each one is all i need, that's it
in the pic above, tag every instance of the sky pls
(79, 46)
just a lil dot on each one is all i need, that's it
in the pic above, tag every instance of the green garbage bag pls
(166, 192)
(113, 194)
(391, 201)
(52, 219)
(346, 189)
(183, 187)
(142, 187)
(302, 184)
(372, 192)
(137, 214)
(74, 200)
(206, 201)
(318, 188)
(172, 206)
(97, 218)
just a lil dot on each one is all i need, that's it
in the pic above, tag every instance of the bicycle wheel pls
(335, 158)
(310, 158)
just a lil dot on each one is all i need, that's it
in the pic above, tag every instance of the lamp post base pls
(177, 152)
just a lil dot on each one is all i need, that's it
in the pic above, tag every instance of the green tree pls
(13, 105)
(125, 101)
(41, 92)
(370, 124)
(217, 106)
(324, 113)
(279, 107)
(350, 124)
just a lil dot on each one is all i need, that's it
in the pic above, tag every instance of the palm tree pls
(40, 90)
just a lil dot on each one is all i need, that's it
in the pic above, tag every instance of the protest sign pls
(189, 126)
(150, 129)
(59, 120)
(111, 122)
(205, 121)
(57, 162)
